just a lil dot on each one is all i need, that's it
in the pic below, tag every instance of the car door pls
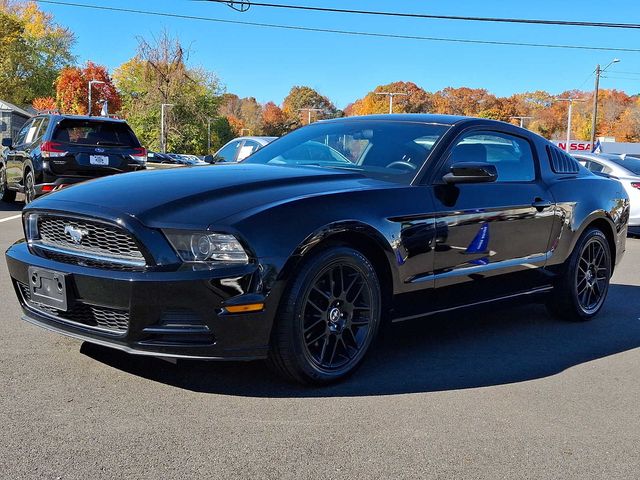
(15, 154)
(494, 237)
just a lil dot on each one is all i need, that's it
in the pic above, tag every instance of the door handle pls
(541, 204)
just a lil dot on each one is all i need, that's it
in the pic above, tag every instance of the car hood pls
(199, 196)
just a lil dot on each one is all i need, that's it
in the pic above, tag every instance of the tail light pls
(139, 155)
(52, 150)
(635, 185)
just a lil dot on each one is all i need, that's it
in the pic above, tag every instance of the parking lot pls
(500, 394)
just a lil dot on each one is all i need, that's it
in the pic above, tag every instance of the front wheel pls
(6, 195)
(328, 317)
(29, 188)
(584, 284)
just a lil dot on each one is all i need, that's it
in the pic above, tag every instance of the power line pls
(247, 3)
(340, 32)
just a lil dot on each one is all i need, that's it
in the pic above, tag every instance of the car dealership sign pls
(577, 146)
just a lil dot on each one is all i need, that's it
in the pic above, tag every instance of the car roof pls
(416, 117)
(58, 116)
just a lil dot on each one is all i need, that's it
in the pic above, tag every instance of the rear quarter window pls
(87, 132)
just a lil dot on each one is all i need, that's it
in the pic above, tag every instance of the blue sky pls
(265, 63)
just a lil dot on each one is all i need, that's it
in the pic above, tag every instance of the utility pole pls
(91, 83)
(163, 143)
(570, 100)
(208, 136)
(522, 119)
(594, 120)
(391, 95)
(309, 110)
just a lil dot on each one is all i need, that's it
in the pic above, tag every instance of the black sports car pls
(300, 252)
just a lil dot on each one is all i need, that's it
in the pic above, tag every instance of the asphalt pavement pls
(501, 394)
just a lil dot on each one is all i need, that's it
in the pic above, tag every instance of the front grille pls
(104, 318)
(99, 241)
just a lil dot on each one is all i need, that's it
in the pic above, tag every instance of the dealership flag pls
(597, 148)
(105, 109)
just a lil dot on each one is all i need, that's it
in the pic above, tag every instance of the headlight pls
(207, 247)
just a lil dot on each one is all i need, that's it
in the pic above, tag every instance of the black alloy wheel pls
(29, 188)
(328, 318)
(592, 276)
(582, 287)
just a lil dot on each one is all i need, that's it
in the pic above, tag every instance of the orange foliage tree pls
(72, 90)
(44, 104)
(274, 121)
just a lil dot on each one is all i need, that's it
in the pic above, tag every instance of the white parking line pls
(10, 218)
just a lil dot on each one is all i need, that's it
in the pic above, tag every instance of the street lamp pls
(391, 95)
(309, 110)
(594, 120)
(163, 145)
(91, 83)
(570, 100)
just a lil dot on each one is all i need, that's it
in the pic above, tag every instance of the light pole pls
(570, 100)
(208, 136)
(163, 145)
(91, 83)
(391, 95)
(522, 119)
(309, 110)
(594, 120)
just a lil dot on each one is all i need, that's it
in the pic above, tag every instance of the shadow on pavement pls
(442, 353)
(11, 207)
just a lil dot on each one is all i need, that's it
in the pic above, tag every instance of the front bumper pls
(177, 313)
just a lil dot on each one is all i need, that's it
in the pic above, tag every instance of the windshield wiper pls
(110, 144)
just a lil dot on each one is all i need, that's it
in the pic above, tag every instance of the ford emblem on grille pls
(76, 234)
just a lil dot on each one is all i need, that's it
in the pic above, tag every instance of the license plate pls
(99, 159)
(48, 288)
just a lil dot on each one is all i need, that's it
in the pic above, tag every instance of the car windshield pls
(388, 150)
(91, 132)
(630, 163)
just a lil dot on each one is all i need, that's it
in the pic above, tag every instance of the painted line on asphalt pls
(10, 218)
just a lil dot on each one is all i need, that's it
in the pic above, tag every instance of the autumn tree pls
(33, 50)
(44, 104)
(464, 101)
(274, 121)
(160, 74)
(413, 100)
(301, 97)
(72, 90)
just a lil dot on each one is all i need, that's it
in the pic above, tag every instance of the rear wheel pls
(328, 318)
(6, 195)
(583, 287)
(29, 188)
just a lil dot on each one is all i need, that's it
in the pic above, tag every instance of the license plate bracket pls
(99, 160)
(48, 288)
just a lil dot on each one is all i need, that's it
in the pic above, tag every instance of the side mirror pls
(7, 142)
(471, 172)
(209, 159)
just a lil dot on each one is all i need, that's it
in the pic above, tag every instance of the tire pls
(582, 288)
(328, 318)
(29, 188)
(6, 195)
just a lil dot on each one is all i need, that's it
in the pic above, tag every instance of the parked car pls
(626, 169)
(240, 148)
(190, 160)
(54, 151)
(162, 158)
(300, 262)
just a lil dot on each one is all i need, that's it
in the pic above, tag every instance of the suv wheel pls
(29, 188)
(328, 318)
(6, 195)
(582, 288)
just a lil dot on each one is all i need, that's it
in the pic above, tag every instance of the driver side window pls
(511, 155)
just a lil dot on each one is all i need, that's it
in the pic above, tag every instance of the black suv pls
(53, 151)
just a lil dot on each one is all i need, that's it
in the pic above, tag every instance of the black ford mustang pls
(299, 253)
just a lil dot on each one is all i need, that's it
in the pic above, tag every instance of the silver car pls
(625, 168)
(240, 148)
